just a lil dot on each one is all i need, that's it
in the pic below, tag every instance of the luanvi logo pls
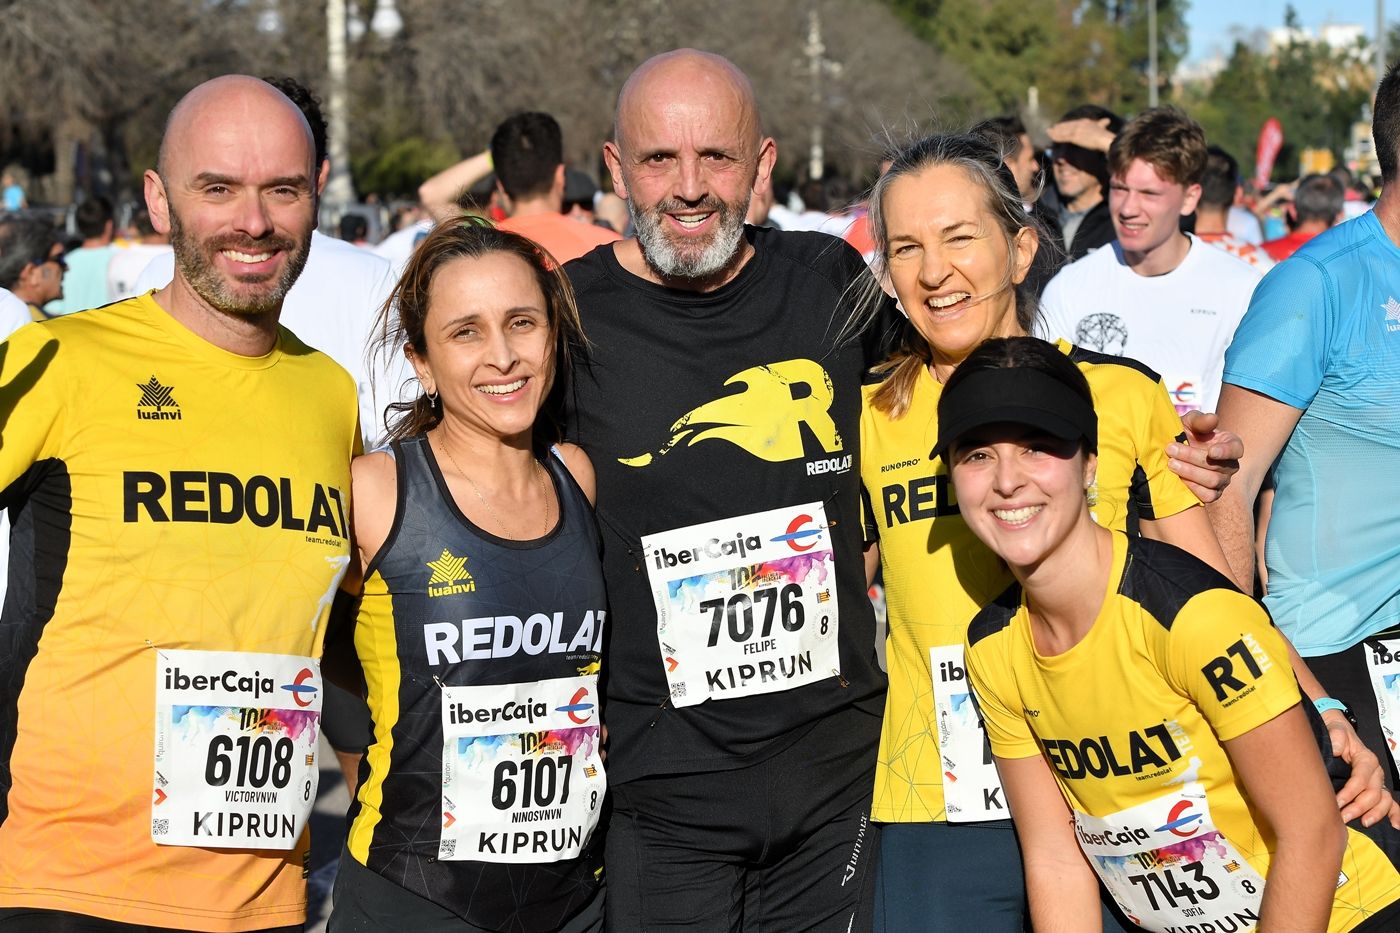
(157, 402)
(449, 575)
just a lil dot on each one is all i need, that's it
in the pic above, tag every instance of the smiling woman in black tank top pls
(481, 612)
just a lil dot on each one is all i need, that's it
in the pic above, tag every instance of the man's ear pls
(157, 202)
(612, 157)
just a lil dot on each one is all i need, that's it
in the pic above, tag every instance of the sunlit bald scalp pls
(686, 73)
(221, 95)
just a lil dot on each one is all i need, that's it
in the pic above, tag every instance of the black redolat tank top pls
(481, 657)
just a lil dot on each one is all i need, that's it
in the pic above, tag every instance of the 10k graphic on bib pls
(235, 748)
(971, 786)
(1169, 868)
(522, 780)
(745, 605)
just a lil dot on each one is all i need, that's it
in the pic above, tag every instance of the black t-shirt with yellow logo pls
(724, 429)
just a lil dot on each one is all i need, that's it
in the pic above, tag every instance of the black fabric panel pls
(996, 615)
(1079, 354)
(1162, 578)
(41, 531)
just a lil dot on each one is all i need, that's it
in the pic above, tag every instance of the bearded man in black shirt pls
(720, 406)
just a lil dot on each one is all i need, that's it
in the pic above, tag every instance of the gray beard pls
(669, 262)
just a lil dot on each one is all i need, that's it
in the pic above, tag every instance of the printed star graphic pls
(1392, 309)
(447, 568)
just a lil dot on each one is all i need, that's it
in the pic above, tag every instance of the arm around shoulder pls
(1264, 425)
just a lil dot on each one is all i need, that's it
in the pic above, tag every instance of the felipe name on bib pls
(745, 605)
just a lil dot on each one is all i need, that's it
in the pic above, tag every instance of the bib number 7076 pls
(738, 609)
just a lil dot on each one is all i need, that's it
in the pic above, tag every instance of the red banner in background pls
(1270, 142)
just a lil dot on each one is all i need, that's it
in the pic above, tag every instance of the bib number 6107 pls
(533, 781)
(738, 609)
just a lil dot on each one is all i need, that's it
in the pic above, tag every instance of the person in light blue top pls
(1312, 385)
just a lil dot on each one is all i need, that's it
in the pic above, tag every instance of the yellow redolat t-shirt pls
(1132, 721)
(938, 575)
(179, 531)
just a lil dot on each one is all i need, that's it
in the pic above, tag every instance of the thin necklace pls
(477, 489)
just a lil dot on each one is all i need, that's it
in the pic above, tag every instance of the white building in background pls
(1350, 38)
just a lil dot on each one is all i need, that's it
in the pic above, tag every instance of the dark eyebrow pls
(948, 229)
(214, 178)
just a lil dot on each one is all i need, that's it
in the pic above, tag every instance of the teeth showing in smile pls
(948, 300)
(236, 256)
(1017, 516)
(506, 389)
(691, 222)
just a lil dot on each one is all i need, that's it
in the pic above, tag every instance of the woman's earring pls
(432, 399)
(1091, 493)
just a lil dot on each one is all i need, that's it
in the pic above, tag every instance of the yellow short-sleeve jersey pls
(1131, 721)
(165, 494)
(937, 574)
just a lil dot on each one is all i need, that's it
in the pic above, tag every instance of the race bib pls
(521, 777)
(971, 787)
(1169, 868)
(745, 605)
(1187, 390)
(236, 741)
(1383, 663)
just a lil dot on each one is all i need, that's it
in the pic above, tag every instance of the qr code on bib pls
(160, 827)
(677, 690)
(447, 848)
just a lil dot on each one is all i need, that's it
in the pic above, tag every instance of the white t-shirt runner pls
(1179, 323)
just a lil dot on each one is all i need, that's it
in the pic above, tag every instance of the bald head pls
(237, 103)
(692, 76)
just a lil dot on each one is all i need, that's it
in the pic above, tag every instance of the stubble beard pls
(194, 260)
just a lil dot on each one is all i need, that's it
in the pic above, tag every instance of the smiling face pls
(488, 346)
(236, 193)
(688, 159)
(1020, 490)
(1147, 208)
(949, 260)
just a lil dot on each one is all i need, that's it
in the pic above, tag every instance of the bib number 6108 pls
(258, 761)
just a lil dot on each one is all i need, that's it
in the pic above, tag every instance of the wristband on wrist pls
(1327, 704)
